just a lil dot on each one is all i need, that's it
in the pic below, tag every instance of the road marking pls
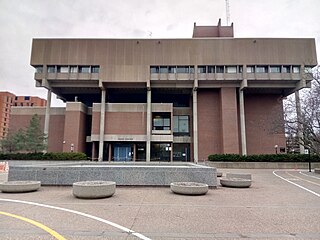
(127, 230)
(309, 175)
(37, 224)
(304, 188)
(303, 179)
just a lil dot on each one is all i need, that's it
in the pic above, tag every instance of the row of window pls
(230, 69)
(68, 69)
(171, 69)
(162, 121)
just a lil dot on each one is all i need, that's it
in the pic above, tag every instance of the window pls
(160, 151)
(62, 69)
(231, 69)
(211, 69)
(181, 125)
(220, 69)
(250, 69)
(51, 69)
(262, 69)
(172, 69)
(286, 69)
(308, 69)
(154, 69)
(201, 69)
(240, 69)
(296, 69)
(16, 98)
(163, 69)
(181, 152)
(183, 69)
(73, 69)
(84, 69)
(27, 98)
(161, 121)
(275, 69)
(39, 69)
(95, 69)
(191, 69)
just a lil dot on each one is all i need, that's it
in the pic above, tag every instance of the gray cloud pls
(20, 21)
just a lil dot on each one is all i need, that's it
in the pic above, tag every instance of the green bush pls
(44, 156)
(263, 158)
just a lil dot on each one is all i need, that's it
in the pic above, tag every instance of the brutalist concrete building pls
(168, 99)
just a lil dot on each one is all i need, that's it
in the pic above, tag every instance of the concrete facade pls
(172, 99)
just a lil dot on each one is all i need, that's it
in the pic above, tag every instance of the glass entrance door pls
(122, 152)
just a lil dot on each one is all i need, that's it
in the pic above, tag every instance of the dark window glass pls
(27, 98)
(51, 69)
(163, 69)
(201, 69)
(84, 69)
(183, 69)
(95, 69)
(181, 125)
(154, 69)
(262, 69)
(275, 69)
(160, 151)
(220, 69)
(161, 121)
(172, 69)
(211, 69)
(286, 69)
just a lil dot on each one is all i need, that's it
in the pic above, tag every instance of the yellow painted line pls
(37, 224)
(303, 179)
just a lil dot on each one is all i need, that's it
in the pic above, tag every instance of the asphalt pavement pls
(280, 204)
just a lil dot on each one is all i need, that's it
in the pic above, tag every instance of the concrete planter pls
(93, 189)
(235, 182)
(3, 176)
(19, 186)
(189, 188)
(239, 175)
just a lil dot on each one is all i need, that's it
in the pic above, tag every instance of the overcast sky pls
(22, 20)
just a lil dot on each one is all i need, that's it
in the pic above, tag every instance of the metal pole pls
(309, 161)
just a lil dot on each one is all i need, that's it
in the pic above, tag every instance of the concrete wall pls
(264, 124)
(128, 60)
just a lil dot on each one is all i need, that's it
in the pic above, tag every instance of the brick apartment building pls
(7, 100)
(168, 99)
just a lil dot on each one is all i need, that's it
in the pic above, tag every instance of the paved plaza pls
(281, 204)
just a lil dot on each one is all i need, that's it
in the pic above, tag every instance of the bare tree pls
(310, 116)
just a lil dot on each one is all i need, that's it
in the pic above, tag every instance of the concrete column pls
(149, 112)
(242, 124)
(195, 125)
(102, 119)
(134, 152)
(300, 126)
(110, 152)
(47, 118)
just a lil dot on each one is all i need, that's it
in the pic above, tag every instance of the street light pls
(276, 148)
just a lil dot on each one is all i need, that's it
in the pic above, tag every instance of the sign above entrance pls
(125, 138)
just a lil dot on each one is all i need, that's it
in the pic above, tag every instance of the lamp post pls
(276, 148)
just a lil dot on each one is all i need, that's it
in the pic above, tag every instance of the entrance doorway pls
(122, 152)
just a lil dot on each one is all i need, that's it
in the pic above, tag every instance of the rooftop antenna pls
(227, 12)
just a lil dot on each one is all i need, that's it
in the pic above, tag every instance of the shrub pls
(263, 158)
(44, 156)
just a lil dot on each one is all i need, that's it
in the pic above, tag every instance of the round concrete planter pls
(189, 188)
(239, 175)
(93, 189)
(235, 182)
(19, 186)
(219, 174)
